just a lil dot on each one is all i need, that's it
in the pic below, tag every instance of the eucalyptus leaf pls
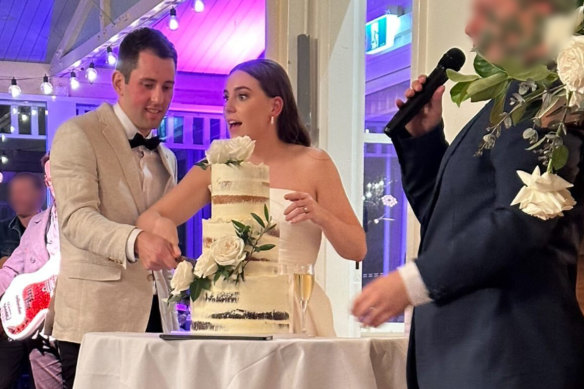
(536, 145)
(547, 106)
(458, 77)
(238, 225)
(266, 213)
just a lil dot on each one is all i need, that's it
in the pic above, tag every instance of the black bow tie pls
(139, 140)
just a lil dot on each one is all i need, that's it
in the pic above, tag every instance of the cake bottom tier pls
(259, 305)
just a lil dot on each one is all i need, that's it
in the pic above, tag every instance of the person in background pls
(39, 243)
(107, 168)
(26, 195)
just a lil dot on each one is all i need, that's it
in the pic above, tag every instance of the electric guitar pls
(25, 303)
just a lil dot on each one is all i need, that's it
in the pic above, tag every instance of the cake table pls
(130, 361)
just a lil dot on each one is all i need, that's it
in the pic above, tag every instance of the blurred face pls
(248, 110)
(25, 199)
(148, 93)
(503, 30)
(48, 180)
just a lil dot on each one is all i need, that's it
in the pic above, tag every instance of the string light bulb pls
(46, 86)
(73, 81)
(14, 89)
(173, 21)
(111, 57)
(3, 159)
(91, 73)
(199, 6)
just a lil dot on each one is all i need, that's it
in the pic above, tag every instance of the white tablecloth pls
(143, 361)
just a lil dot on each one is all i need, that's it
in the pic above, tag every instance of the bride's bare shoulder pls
(315, 158)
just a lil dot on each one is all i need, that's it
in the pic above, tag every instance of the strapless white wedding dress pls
(300, 243)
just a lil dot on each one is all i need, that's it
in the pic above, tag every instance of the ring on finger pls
(305, 209)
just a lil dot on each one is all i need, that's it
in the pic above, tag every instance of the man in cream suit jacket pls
(107, 169)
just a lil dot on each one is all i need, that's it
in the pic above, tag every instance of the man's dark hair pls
(140, 40)
(35, 179)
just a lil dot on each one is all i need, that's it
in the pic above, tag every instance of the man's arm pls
(420, 159)
(76, 183)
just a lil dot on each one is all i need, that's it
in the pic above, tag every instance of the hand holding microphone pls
(422, 111)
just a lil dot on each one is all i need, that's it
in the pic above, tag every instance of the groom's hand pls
(155, 252)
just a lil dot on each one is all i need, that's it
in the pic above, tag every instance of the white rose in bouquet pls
(544, 196)
(217, 152)
(205, 266)
(228, 251)
(240, 148)
(182, 278)
(559, 29)
(571, 67)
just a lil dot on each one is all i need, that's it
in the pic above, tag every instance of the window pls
(385, 207)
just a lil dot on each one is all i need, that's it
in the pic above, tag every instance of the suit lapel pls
(449, 152)
(116, 137)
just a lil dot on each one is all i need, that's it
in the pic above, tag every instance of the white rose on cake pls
(571, 68)
(230, 150)
(240, 148)
(217, 153)
(205, 266)
(544, 196)
(182, 278)
(228, 251)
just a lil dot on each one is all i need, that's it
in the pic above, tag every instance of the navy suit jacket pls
(504, 313)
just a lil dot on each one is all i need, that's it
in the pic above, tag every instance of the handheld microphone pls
(453, 59)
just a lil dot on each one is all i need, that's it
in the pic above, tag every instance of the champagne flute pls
(303, 285)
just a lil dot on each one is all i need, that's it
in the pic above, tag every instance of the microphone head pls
(453, 59)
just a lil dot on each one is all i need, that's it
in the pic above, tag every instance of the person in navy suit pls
(493, 287)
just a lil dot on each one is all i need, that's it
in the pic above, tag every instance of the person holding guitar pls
(38, 245)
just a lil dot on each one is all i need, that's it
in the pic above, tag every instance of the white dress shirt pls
(153, 175)
(415, 287)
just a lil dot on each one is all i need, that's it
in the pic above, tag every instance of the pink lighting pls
(214, 41)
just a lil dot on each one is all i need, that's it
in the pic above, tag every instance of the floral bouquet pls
(228, 256)
(549, 95)
(226, 259)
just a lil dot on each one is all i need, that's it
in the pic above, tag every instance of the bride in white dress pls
(307, 196)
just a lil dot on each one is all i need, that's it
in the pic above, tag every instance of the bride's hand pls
(303, 207)
(166, 229)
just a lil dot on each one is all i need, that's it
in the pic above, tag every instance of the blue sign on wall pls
(380, 33)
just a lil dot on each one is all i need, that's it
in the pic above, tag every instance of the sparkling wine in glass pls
(303, 285)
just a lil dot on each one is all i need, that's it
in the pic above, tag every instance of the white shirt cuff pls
(130, 245)
(415, 286)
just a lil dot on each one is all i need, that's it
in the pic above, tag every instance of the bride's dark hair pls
(275, 83)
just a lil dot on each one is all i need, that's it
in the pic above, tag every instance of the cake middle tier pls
(216, 229)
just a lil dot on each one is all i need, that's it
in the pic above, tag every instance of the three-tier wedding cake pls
(238, 286)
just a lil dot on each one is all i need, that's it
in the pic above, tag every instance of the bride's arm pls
(178, 205)
(331, 210)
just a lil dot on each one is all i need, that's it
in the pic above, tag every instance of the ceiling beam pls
(64, 60)
(73, 29)
(105, 16)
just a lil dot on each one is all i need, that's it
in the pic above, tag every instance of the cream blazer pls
(99, 198)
